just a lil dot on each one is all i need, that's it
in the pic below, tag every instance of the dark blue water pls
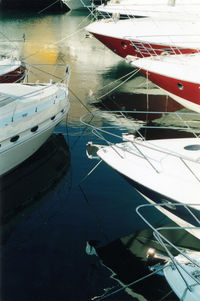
(50, 208)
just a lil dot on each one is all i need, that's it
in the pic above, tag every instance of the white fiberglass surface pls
(182, 67)
(150, 30)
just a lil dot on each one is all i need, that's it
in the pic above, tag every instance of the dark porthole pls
(192, 147)
(53, 117)
(180, 86)
(62, 110)
(34, 129)
(124, 45)
(14, 139)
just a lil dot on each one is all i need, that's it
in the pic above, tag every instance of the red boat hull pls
(124, 47)
(184, 89)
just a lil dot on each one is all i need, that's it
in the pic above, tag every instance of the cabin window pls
(14, 138)
(192, 147)
(180, 86)
(53, 117)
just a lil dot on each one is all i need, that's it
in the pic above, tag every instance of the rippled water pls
(51, 209)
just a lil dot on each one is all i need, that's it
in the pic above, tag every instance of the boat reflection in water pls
(21, 189)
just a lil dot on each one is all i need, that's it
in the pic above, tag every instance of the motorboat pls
(11, 70)
(177, 75)
(143, 37)
(162, 170)
(29, 114)
(179, 266)
(151, 8)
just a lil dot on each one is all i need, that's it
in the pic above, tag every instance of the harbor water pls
(67, 234)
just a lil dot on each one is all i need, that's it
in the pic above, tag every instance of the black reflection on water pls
(22, 188)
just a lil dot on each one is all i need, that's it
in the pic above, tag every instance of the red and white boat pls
(144, 37)
(11, 70)
(178, 75)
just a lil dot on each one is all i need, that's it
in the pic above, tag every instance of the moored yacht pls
(143, 37)
(28, 115)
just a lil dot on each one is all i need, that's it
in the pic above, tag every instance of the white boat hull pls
(32, 122)
(20, 152)
(162, 178)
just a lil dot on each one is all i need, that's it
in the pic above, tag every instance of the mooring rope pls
(119, 85)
